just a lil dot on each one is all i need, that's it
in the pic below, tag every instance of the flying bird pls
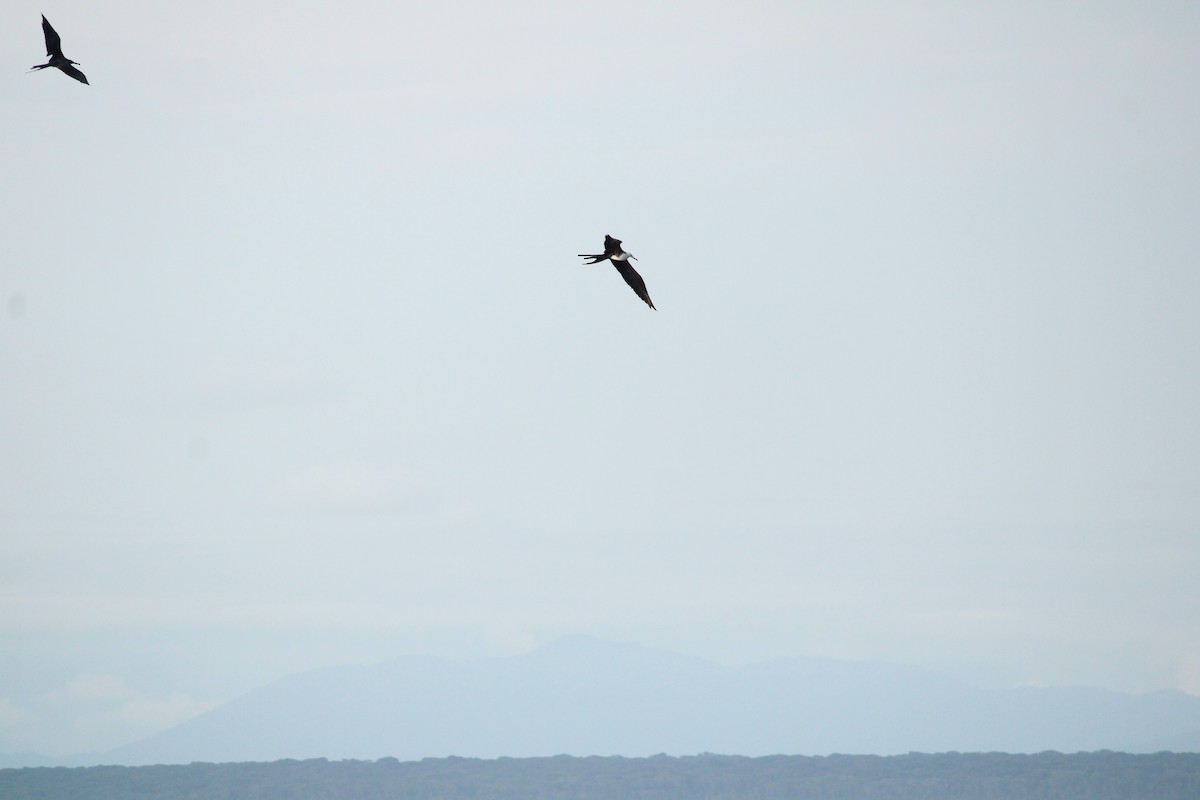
(620, 259)
(54, 50)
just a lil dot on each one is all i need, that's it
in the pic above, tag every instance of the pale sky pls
(300, 367)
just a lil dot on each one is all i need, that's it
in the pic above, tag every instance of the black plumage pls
(614, 252)
(54, 50)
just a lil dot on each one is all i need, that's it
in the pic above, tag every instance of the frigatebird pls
(620, 259)
(54, 50)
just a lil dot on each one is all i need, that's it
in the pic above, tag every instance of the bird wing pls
(612, 247)
(74, 73)
(53, 42)
(634, 280)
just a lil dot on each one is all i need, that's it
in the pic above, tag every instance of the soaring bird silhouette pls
(620, 259)
(54, 50)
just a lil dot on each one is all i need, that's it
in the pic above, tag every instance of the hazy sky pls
(300, 367)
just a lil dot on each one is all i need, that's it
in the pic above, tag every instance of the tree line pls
(945, 776)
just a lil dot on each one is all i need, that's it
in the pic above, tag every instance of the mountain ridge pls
(581, 696)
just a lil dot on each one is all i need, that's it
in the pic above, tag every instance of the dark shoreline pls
(953, 776)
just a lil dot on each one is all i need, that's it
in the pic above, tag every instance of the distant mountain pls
(581, 696)
(1182, 743)
(18, 760)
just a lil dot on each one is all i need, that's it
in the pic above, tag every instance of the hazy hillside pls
(586, 697)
